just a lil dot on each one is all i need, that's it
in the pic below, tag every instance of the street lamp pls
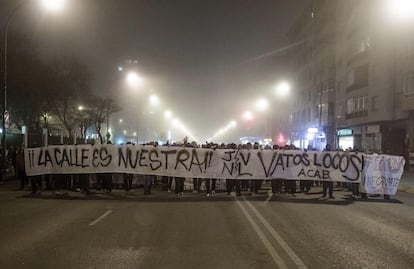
(54, 6)
(45, 117)
(248, 115)
(168, 114)
(262, 104)
(232, 124)
(402, 10)
(134, 80)
(83, 126)
(154, 100)
(282, 89)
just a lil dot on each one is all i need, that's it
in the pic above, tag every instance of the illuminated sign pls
(344, 132)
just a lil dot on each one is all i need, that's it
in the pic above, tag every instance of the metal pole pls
(108, 135)
(138, 128)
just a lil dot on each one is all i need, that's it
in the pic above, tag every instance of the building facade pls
(367, 81)
(312, 122)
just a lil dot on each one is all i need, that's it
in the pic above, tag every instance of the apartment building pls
(367, 90)
(312, 121)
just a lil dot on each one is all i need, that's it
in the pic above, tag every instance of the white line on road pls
(276, 258)
(278, 238)
(100, 218)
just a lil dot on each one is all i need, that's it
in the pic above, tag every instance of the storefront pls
(314, 138)
(345, 138)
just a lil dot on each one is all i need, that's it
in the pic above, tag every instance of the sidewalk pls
(407, 182)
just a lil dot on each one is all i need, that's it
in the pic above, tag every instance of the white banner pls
(382, 174)
(195, 162)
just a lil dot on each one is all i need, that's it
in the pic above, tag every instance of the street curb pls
(405, 188)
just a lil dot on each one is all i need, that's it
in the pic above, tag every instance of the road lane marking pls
(100, 218)
(278, 238)
(276, 258)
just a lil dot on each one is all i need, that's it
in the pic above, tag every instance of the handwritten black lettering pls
(182, 156)
(153, 157)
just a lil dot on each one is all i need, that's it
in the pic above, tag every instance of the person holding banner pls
(210, 189)
(20, 168)
(290, 185)
(179, 185)
(36, 182)
(128, 179)
(148, 181)
(255, 184)
(196, 184)
(166, 183)
(327, 185)
(84, 183)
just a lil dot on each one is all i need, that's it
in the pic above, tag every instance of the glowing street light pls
(134, 80)
(401, 10)
(261, 104)
(168, 114)
(176, 122)
(248, 115)
(53, 5)
(282, 89)
(154, 100)
(224, 130)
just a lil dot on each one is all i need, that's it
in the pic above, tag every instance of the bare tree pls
(71, 87)
(102, 110)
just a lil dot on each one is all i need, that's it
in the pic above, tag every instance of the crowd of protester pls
(103, 182)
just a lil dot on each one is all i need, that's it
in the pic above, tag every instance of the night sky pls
(201, 57)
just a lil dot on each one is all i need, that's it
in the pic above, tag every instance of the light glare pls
(401, 9)
(53, 5)
(262, 104)
(154, 100)
(283, 89)
(134, 80)
(168, 114)
(248, 115)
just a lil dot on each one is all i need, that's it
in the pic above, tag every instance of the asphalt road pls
(194, 231)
